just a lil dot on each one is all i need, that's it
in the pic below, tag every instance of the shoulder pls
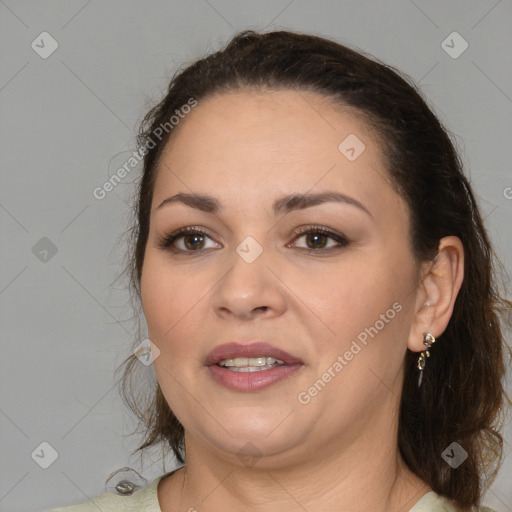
(104, 502)
(144, 499)
(432, 502)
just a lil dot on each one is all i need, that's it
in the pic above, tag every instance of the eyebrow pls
(283, 205)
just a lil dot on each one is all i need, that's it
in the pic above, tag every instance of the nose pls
(249, 290)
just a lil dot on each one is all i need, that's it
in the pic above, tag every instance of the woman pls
(318, 288)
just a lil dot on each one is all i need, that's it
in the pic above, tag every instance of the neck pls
(365, 474)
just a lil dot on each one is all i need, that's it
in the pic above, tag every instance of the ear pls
(439, 285)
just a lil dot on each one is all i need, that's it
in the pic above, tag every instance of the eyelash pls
(166, 242)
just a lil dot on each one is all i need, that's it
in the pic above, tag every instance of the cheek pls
(365, 308)
(169, 298)
(352, 297)
(175, 301)
(166, 296)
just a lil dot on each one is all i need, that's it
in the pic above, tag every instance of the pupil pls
(316, 237)
(196, 238)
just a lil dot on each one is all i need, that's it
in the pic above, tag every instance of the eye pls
(190, 239)
(317, 239)
(193, 239)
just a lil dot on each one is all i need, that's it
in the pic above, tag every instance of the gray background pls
(69, 121)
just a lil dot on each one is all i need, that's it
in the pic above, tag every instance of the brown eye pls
(193, 241)
(189, 239)
(317, 239)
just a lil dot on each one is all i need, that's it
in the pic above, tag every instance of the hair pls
(462, 397)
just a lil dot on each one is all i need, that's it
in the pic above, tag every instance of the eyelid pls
(166, 242)
(340, 238)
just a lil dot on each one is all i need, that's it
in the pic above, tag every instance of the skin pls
(339, 451)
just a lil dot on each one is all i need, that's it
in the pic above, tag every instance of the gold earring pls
(428, 340)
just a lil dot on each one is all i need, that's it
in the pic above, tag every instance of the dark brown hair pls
(462, 397)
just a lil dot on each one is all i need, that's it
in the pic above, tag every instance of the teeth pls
(250, 364)
(251, 368)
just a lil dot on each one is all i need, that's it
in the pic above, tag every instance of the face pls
(329, 281)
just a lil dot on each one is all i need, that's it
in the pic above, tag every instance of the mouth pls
(250, 364)
(258, 355)
(251, 367)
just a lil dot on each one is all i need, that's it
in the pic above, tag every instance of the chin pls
(246, 440)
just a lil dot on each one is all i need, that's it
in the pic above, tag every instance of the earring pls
(428, 340)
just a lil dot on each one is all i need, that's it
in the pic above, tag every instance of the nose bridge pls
(249, 286)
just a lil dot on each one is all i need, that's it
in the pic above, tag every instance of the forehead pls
(263, 144)
(290, 124)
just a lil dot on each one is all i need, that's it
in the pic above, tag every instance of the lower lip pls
(252, 381)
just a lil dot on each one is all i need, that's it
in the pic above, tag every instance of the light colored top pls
(146, 500)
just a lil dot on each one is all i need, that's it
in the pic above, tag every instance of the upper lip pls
(256, 349)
